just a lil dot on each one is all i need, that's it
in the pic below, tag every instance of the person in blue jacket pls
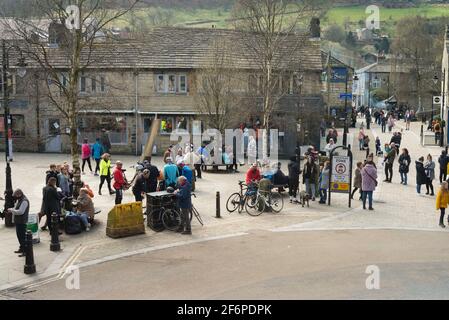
(97, 151)
(185, 171)
(184, 195)
(170, 173)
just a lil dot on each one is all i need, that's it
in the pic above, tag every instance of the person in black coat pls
(293, 178)
(141, 185)
(421, 177)
(50, 201)
(404, 164)
(53, 172)
(443, 161)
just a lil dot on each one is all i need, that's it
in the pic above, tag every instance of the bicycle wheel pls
(154, 221)
(197, 215)
(276, 202)
(171, 219)
(233, 202)
(255, 205)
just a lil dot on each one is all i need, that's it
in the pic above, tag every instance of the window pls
(83, 83)
(102, 84)
(90, 127)
(166, 125)
(64, 80)
(182, 83)
(94, 84)
(181, 123)
(171, 83)
(160, 83)
(17, 126)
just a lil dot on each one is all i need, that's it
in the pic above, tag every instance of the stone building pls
(130, 83)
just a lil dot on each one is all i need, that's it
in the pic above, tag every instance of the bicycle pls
(171, 218)
(239, 200)
(270, 199)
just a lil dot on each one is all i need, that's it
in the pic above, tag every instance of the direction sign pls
(345, 96)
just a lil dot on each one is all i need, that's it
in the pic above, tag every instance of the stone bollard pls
(29, 267)
(55, 245)
(218, 205)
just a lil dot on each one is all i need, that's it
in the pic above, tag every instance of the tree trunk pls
(74, 150)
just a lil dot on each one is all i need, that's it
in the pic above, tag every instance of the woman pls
(404, 164)
(179, 156)
(330, 146)
(442, 202)
(85, 208)
(369, 183)
(421, 177)
(357, 180)
(64, 181)
(390, 123)
(85, 155)
(293, 179)
(361, 138)
(310, 177)
(324, 182)
(105, 172)
(429, 167)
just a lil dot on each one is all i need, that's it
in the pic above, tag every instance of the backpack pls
(72, 224)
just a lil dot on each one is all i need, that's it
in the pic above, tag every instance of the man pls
(53, 172)
(106, 143)
(97, 151)
(50, 202)
(310, 177)
(253, 174)
(185, 171)
(443, 160)
(167, 153)
(293, 179)
(105, 172)
(389, 161)
(141, 186)
(152, 179)
(204, 158)
(437, 130)
(119, 182)
(20, 218)
(170, 173)
(185, 203)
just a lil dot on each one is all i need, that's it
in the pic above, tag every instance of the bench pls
(215, 167)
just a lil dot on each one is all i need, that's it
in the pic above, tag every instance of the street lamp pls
(21, 72)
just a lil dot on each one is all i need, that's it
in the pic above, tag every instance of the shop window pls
(17, 126)
(166, 125)
(90, 127)
(183, 84)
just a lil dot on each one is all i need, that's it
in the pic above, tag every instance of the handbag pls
(375, 181)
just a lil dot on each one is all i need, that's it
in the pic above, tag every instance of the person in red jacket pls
(253, 174)
(119, 182)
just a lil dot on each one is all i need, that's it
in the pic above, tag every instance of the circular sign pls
(436, 100)
(340, 168)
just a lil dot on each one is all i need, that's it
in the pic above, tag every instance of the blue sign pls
(338, 74)
(343, 96)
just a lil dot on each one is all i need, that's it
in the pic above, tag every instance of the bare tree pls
(217, 86)
(73, 50)
(274, 31)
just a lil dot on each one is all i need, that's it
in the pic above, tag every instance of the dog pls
(305, 197)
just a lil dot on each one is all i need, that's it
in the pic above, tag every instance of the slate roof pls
(188, 48)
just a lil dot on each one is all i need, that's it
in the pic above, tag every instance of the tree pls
(335, 33)
(272, 35)
(350, 40)
(418, 47)
(217, 84)
(77, 47)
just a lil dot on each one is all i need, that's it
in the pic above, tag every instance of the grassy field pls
(354, 15)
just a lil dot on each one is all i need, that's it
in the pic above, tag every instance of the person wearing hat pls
(105, 172)
(184, 196)
(141, 186)
(170, 173)
(20, 218)
(253, 174)
(185, 171)
(119, 182)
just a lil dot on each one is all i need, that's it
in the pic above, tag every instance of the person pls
(429, 167)
(437, 130)
(50, 202)
(141, 185)
(421, 177)
(20, 218)
(170, 173)
(442, 202)
(252, 149)
(293, 179)
(153, 178)
(85, 208)
(204, 158)
(53, 172)
(330, 135)
(105, 172)
(369, 183)
(97, 151)
(184, 197)
(404, 164)
(63, 181)
(408, 119)
(330, 146)
(310, 177)
(389, 161)
(105, 142)
(253, 174)
(167, 153)
(396, 139)
(378, 144)
(383, 123)
(185, 171)
(323, 128)
(119, 182)
(361, 138)
(443, 161)
(366, 142)
(279, 178)
(324, 182)
(390, 123)
(357, 180)
(85, 155)
(179, 155)
(368, 119)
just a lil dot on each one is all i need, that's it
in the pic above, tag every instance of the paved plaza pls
(400, 215)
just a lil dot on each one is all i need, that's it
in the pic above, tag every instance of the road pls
(272, 265)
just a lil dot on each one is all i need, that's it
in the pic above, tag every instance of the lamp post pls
(21, 71)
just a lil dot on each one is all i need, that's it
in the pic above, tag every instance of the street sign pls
(436, 100)
(345, 96)
(341, 174)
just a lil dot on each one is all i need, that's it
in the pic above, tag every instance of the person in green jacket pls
(105, 172)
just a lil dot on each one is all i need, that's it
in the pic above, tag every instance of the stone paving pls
(396, 206)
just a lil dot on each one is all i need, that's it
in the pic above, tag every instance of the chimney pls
(315, 29)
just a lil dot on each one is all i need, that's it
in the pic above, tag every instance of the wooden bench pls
(215, 167)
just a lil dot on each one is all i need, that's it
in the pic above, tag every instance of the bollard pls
(54, 245)
(218, 205)
(29, 267)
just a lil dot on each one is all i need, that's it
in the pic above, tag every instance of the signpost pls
(341, 173)
(344, 96)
